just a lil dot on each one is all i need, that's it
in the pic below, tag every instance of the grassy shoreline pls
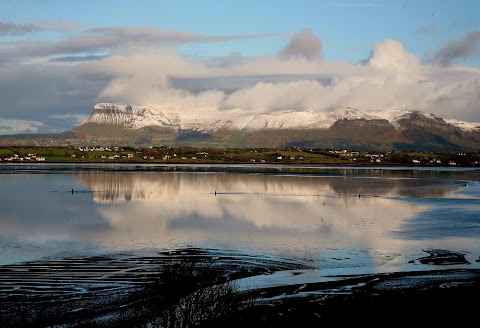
(191, 155)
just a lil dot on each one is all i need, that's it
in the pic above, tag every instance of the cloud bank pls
(296, 78)
(53, 81)
(304, 45)
(17, 29)
(461, 48)
(10, 126)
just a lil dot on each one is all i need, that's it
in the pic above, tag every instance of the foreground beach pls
(199, 287)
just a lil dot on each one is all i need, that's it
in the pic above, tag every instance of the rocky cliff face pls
(138, 117)
(424, 130)
(339, 128)
(361, 122)
(132, 117)
(413, 119)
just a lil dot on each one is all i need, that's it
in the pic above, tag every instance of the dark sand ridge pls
(118, 291)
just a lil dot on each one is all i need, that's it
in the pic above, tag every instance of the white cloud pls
(389, 55)
(277, 96)
(13, 126)
(47, 80)
(75, 118)
(390, 79)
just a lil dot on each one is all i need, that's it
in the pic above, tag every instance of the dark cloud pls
(166, 37)
(11, 29)
(61, 26)
(461, 48)
(74, 59)
(304, 44)
(105, 39)
(93, 42)
(469, 23)
(37, 92)
(428, 30)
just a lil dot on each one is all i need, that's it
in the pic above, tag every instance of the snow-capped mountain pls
(417, 117)
(138, 117)
(404, 119)
(341, 127)
(465, 126)
(133, 117)
(303, 119)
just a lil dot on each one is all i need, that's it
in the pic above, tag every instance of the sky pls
(58, 58)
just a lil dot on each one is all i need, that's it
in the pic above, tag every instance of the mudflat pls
(206, 287)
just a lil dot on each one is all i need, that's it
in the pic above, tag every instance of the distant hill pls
(340, 128)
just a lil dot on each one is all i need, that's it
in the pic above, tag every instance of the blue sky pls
(60, 57)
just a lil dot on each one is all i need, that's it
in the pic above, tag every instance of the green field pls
(231, 155)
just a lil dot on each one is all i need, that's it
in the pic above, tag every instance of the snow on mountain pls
(285, 120)
(304, 119)
(413, 114)
(132, 116)
(398, 115)
(213, 119)
(349, 113)
(465, 126)
(237, 119)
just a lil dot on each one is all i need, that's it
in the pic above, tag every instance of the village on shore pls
(167, 154)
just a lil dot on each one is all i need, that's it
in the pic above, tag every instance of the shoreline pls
(142, 166)
(242, 163)
(76, 291)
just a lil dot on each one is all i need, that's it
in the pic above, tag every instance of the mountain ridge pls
(340, 127)
(335, 128)
(139, 116)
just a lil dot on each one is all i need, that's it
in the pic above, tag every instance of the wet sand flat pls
(99, 291)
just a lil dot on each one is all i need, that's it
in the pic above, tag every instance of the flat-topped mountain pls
(337, 128)
(341, 127)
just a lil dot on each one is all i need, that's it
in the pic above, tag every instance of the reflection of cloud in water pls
(118, 187)
(394, 187)
(455, 218)
(293, 210)
(317, 217)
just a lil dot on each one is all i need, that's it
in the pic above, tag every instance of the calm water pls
(332, 218)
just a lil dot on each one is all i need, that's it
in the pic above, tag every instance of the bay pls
(336, 219)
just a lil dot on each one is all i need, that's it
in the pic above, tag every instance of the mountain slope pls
(429, 132)
(338, 128)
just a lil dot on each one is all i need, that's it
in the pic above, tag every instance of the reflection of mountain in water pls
(274, 211)
(120, 186)
(317, 216)
(392, 187)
